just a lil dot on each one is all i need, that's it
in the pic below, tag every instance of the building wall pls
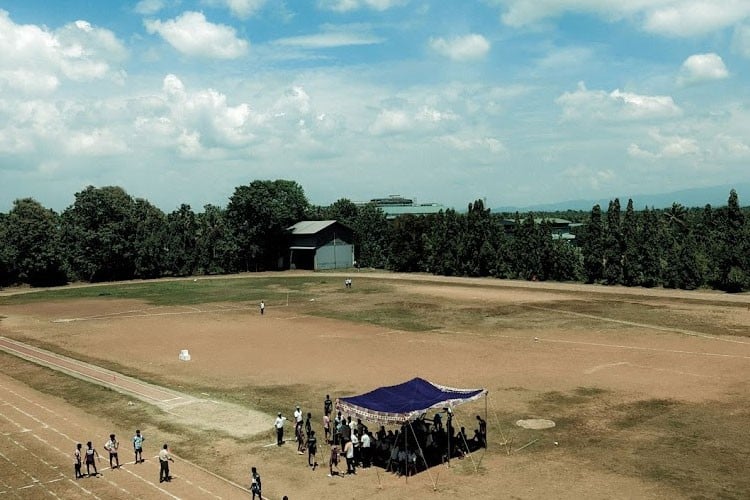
(338, 256)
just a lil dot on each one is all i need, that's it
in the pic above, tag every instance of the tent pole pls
(424, 460)
(486, 395)
(406, 447)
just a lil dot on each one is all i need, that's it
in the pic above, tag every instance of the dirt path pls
(185, 409)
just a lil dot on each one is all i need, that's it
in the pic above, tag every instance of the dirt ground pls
(550, 349)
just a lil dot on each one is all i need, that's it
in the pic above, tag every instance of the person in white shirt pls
(365, 443)
(164, 458)
(112, 446)
(138, 440)
(279, 424)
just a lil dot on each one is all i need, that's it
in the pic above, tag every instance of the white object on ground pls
(184, 355)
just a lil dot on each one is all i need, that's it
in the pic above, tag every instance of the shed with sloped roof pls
(321, 244)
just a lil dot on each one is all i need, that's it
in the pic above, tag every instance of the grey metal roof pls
(310, 226)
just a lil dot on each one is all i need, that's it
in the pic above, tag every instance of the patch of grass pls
(642, 411)
(590, 391)
(388, 316)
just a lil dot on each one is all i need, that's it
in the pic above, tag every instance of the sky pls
(518, 102)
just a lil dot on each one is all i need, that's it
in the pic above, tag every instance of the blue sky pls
(519, 102)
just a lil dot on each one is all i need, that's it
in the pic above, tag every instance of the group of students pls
(90, 456)
(416, 445)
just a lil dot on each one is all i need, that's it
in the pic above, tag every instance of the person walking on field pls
(112, 446)
(138, 440)
(312, 450)
(255, 485)
(262, 307)
(164, 458)
(91, 453)
(78, 460)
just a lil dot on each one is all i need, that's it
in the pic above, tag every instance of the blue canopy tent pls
(398, 404)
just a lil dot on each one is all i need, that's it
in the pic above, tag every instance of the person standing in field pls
(138, 445)
(164, 458)
(77, 461)
(112, 446)
(262, 307)
(279, 425)
(255, 485)
(327, 405)
(91, 454)
(334, 461)
(327, 428)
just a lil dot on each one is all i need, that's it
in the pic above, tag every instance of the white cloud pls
(663, 17)
(97, 142)
(701, 68)
(329, 39)
(35, 60)
(391, 122)
(193, 35)
(349, 5)
(665, 147)
(615, 105)
(148, 7)
(462, 48)
(241, 9)
(741, 40)
(594, 178)
(489, 144)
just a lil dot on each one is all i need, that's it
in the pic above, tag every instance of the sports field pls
(649, 389)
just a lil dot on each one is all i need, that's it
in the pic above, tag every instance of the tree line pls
(108, 235)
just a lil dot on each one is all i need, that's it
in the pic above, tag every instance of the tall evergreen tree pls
(613, 252)
(593, 247)
(732, 267)
(150, 240)
(632, 246)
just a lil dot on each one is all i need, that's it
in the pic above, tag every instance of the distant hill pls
(698, 197)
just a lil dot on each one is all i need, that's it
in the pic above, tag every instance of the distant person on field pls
(255, 485)
(138, 440)
(297, 418)
(482, 432)
(91, 453)
(308, 425)
(262, 307)
(279, 425)
(112, 446)
(164, 458)
(77, 461)
(327, 428)
(327, 405)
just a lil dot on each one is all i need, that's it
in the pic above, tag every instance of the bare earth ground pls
(527, 343)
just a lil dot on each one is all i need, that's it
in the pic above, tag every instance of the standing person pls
(312, 450)
(262, 307)
(308, 425)
(279, 424)
(91, 453)
(112, 446)
(365, 442)
(334, 461)
(300, 437)
(77, 461)
(298, 418)
(164, 458)
(327, 428)
(349, 455)
(327, 405)
(482, 431)
(138, 440)
(255, 485)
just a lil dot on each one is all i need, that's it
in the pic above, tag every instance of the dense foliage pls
(107, 235)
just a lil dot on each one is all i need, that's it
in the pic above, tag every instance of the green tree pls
(593, 246)
(371, 237)
(732, 265)
(34, 248)
(651, 253)
(98, 231)
(216, 249)
(613, 250)
(150, 240)
(181, 242)
(259, 215)
(342, 210)
(407, 244)
(632, 248)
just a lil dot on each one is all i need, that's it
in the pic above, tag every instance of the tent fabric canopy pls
(403, 402)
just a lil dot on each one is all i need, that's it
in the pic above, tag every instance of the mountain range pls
(716, 196)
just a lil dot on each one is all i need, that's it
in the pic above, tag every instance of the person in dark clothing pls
(327, 405)
(255, 485)
(312, 450)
